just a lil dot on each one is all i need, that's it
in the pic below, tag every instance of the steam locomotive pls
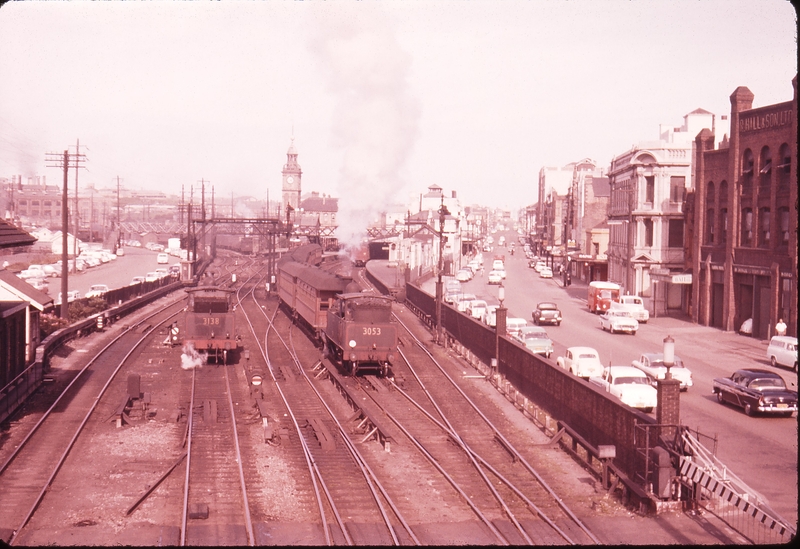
(209, 324)
(355, 328)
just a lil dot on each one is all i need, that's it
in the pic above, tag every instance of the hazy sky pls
(383, 98)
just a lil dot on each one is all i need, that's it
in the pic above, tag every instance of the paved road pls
(762, 451)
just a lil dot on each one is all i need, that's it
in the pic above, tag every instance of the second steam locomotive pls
(355, 328)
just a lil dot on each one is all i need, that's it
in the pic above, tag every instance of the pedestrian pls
(780, 327)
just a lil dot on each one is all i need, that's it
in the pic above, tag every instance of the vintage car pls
(464, 275)
(634, 305)
(756, 390)
(546, 272)
(490, 315)
(653, 365)
(630, 385)
(782, 350)
(581, 361)
(495, 277)
(535, 339)
(546, 312)
(476, 308)
(618, 321)
(97, 290)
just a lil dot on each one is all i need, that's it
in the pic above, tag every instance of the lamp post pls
(668, 406)
(669, 355)
(443, 211)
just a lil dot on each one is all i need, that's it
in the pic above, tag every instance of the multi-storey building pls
(648, 185)
(744, 230)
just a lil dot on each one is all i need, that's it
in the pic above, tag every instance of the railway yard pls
(136, 441)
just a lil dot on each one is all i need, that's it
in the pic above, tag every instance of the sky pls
(382, 99)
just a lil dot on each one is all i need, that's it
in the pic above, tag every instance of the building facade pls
(648, 185)
(744, 230)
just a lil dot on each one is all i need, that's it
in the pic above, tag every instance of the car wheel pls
(559, 324)
(787, 414)
(611, 329)
(773, 361)
(720, 399)
(748, 409)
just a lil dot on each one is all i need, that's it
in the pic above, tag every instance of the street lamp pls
(669, 355)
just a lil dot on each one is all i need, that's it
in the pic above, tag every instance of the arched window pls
(765, 172)
(710, 226)
(783, 220)
(763, 227)
(747, 227)
(710, 193)
(748, 165)
(723, 225)
(784, 167)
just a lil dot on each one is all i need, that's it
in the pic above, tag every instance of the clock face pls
(290, 179)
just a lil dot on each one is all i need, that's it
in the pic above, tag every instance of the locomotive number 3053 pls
(210, 321)
(371, 331)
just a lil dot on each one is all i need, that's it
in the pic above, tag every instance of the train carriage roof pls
(315, 277)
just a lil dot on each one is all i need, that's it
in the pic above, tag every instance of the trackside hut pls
(15, 290)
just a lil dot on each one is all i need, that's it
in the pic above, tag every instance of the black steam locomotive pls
(209, 324)
(355, 328)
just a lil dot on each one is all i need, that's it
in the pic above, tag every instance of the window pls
(784, 169)
(710, 194)
(650, 188)
(783, 219)
(648, 232)
(747, 172)
(763, 234)
(723, 225)
(677, 188)
(747, 227)
(765, 173)
(710, 226)
(675, 239)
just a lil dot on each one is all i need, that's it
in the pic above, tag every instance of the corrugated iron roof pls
(11, 236)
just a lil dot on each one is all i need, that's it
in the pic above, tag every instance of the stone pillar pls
(668, 410)
(500, 330)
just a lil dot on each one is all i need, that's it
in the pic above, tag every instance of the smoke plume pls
(191, 358)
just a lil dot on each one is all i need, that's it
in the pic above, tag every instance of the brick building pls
(744, 219)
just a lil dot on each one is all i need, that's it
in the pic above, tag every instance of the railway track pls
(28, 472)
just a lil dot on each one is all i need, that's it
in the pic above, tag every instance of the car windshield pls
(547, 306)
(762, 383)
(660, 362)
(536, 335)
(631, 380)
(587, 355)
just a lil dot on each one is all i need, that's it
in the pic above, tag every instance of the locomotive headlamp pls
(352, 343)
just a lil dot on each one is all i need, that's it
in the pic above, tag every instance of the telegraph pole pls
(119, 220)
(56, 160)
(75, 214)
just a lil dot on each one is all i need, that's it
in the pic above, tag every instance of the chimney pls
(454, 194)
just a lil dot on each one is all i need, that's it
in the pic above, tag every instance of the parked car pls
(536, 340)
(461, 301)
(630, 385)
(72, 295)
(476, 308)
(162, 272)
(51, 271)
(495, 277)
(545, 272)
(452, 286)
(618, 321)
(546, 312)
(136, 280)
(783, 350)
(652, 364)
(97, 290)
(581, 361)
(151, 277)
(514, 324)
(162, 259)
(756, 390)
(464, 275)
(539, 265)
(40, 284)
(490, 316)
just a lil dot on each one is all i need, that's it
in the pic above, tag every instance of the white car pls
(495, 277)
(96, 290)
(476, 308)
(162, 272)
(783, 350)
(490, 316)
(630, 385)
(581, 361)
(72, 295)
(615, 321)
(514, 325)
(40, 284)
(162, 259)
(151, 277)
(546, 272)
(464, 275)
(652, 364)
(634, 305)
(136, 280)
(462, 300)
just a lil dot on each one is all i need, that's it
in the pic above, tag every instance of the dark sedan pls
(756, 390)
(547, 313)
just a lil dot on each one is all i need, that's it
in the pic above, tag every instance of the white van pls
(783, 350)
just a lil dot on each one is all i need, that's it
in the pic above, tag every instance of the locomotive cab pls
(360, 334)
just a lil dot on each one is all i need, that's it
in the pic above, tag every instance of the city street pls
(761, 450)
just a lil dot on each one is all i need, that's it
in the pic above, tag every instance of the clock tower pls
(291, 179)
